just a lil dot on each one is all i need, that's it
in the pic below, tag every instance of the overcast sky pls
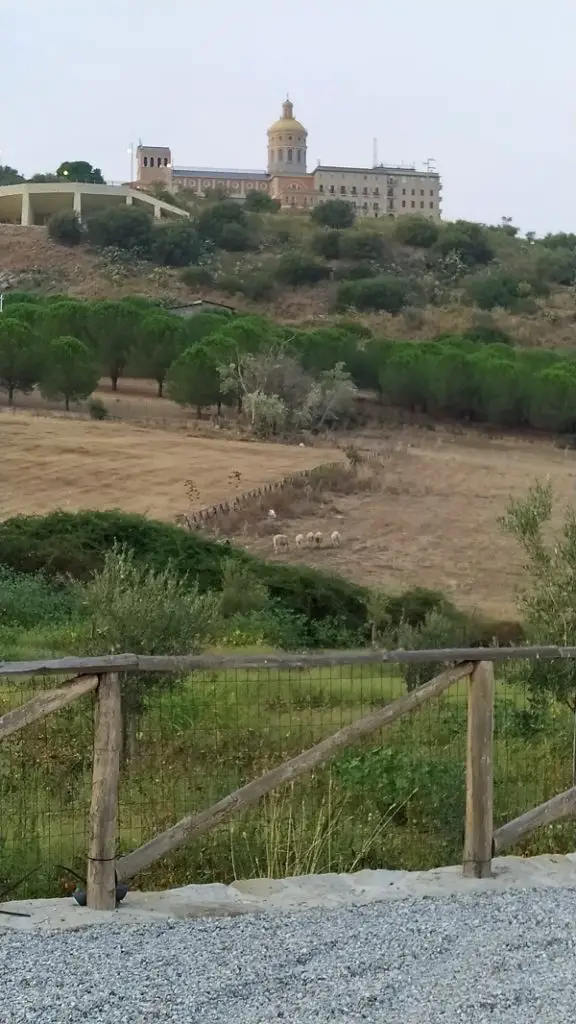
(486, 88)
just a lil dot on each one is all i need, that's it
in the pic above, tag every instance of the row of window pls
(413, 204)
(160, 161)
(375, 192)
(289, 156)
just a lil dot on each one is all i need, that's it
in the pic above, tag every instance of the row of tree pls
(281, 377)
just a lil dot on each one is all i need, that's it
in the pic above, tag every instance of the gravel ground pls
(508, 958)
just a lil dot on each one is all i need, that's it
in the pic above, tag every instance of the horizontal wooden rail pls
(194, 825)
(44, 704)
(561, 806)
(190, 663)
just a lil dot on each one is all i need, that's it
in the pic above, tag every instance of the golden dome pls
(287, 122)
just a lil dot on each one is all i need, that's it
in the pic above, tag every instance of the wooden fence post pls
(479, 773)
(101, 873)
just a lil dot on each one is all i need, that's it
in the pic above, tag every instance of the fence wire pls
(396, 800)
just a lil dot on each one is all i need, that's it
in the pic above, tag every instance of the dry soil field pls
(55, 462)
(434, 521)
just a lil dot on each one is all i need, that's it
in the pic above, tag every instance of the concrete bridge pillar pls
(27, 216)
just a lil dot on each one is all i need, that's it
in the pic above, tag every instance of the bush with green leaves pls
(492, 288)
(132, 607)
(386, 292)
(547, 601)
(121, 227)
(355, 271)
(437, 631)
(295, 268)
(32, 599)
(362, 245)
(417, 231)
(260, 202)
(65, 227)
(468, 240)
(327, 243)
(334, 213)
(175, 243)
(197, 277)
(214, 220)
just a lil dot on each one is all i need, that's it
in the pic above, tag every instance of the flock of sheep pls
(281, 542)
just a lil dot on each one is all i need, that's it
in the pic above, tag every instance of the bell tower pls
(287, 143)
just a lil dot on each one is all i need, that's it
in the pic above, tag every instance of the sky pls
(486, 89)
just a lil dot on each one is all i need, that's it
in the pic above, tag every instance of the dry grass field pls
(433, 523)
(57, 462)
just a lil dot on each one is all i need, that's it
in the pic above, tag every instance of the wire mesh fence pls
(395, 800)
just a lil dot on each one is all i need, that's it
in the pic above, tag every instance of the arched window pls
(280, 156)
(165, 161)
(289, 156)
(151, 161)
(298, 156)
(145, 161)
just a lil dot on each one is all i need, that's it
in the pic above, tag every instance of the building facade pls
(378, 191)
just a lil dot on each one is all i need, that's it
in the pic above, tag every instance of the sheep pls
(280, 542)
(300, 540)
(310, 539)
(318, 539)
(271, 514)
(335, 539)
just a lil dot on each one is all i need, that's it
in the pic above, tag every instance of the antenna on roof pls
(375, 153)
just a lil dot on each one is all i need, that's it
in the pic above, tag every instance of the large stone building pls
(374, 191)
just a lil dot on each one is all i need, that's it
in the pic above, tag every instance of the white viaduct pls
(34, 203)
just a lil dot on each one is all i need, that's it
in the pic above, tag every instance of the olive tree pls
(548, 600)
(132, 607)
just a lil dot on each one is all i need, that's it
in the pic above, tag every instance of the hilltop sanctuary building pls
(378, 191)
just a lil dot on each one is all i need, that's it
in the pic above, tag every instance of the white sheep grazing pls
(280, 542)
(335, 539)
(271, 514)
(318, 539)
(310, 539)
(300, 540)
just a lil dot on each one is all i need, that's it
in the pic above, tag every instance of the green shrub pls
(121, 227)
(261, 202)
(362, 245)
(468, 240)
(31, 599)
(65, 227)
(213, 221)
(234, 237)
(297, 269)
(380, 293)
(438, 630)
(335, 213)
(354, 272)
(196, 277)
(176, 243)
(327, 243)
(417, 231)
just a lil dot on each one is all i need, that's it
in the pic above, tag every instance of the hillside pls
(525, 288)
